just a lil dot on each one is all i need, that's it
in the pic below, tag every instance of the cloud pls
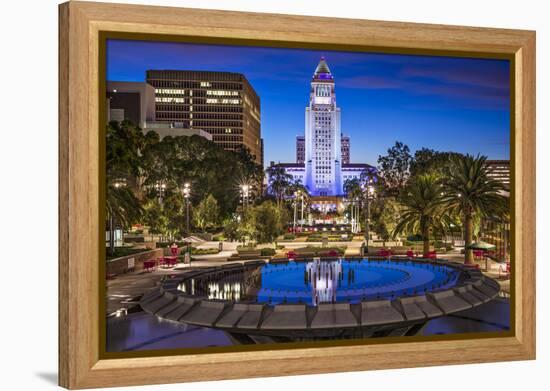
(370, 82)
(478, 75)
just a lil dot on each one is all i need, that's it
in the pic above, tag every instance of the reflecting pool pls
(324, 281)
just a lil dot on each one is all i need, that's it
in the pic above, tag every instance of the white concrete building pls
(322, 154)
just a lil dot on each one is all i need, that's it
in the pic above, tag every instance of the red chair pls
(332, 253)
(431, 255)
(149, 265)
(291, 255)
(410, 254)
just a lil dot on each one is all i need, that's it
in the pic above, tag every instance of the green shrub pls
(267, 252)
(316, 250)
(218, 238)
(289, 236)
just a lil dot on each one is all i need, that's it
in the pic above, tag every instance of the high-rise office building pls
(223, 104)
(132, 101)
(500, 171)
(135, 102)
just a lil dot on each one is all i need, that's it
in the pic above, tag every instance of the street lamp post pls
(302, 215)
(352, 214)
(369, 193)
(295, 204)
(160, 187)
(186, 191)
(245, 195)
(117, 185)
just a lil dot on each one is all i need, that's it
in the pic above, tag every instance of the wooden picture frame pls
(81, 364)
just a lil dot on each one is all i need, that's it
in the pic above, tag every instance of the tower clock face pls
(322, 100)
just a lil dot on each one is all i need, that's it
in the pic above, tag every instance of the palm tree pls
(122, 207)
(124, 143)
(299, 192)
(354, 194)
(422, 208)
(279, 182)
(471, 193)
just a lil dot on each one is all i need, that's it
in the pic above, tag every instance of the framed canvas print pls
(247, 195)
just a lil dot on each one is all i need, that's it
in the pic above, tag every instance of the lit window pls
(170, 91)
(169, 100)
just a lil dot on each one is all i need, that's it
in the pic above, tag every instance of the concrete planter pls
(120, 265)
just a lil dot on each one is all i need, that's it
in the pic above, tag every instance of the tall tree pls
(205, 165)
(471, 193)
(354, 195)
(385, 213)
(155, 218)
(428, 161)
(280, 183)
(206, 213)
(421, 208)
(393, 168)
(123, 149)
(268, 221)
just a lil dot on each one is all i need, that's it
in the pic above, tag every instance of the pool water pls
(318, 281)
(350, 281)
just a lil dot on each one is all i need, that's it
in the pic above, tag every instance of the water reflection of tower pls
(323, 277)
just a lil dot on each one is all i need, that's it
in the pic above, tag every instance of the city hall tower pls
(323, 138)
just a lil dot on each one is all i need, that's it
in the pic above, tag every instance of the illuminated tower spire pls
(323, 135)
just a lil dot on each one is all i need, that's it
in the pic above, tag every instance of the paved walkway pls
(492, 268)
(125, 287)
(221, 256)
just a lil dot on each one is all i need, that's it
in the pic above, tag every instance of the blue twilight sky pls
(443, 103)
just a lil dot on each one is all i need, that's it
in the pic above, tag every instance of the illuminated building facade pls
(499, 170)
(223, 104)
(323, 153)
(301, 149)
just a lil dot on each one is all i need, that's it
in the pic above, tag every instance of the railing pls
(133, 261)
